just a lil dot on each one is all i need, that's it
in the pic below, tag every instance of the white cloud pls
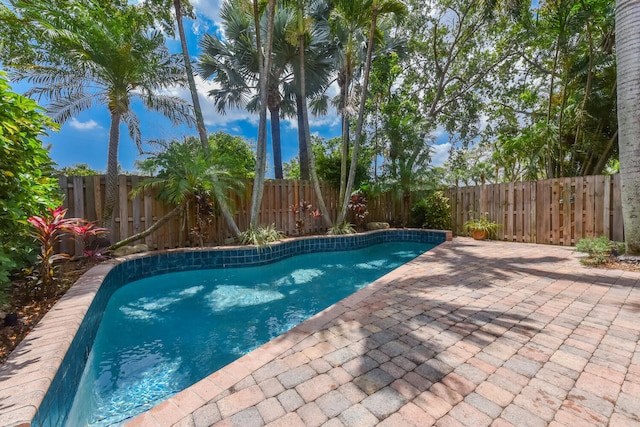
(209, 9)
(440, 154)
(88, 125)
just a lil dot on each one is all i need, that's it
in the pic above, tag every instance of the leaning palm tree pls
(101, 54)
(180, 9)
(182, 173)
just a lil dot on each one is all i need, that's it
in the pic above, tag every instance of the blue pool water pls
(161, 334)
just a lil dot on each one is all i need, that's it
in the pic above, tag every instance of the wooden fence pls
(554, 211)
(84, 198)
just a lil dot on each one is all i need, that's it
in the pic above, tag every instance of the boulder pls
(128, 250)
(377, 225)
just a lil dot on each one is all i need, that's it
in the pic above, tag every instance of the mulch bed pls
(30, 312)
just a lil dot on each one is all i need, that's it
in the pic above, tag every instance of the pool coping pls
(28, 373)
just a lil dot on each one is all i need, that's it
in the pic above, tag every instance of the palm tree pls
(628, 60)
(377, 8)
(301, 31)
(102, 54)
(184, 8)
(183, 173)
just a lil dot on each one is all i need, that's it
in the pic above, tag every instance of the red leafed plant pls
(85, 231)
(47, 230)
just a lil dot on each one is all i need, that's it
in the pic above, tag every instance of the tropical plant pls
(77, 169)
(358, 205)
(339, 229)
(301, 211)
(482, 226)
(47, 230)
(628, 84)
(90, 53)
(85, 232)
(433, 212)
(377, 8)
(181, 171)
(27, 185)
(260, 235)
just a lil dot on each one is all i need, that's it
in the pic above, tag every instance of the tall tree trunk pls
(305, 119)
(275, 141)
(550, 155)
(111, 182)
(303, 154)
(628, 63)
(344, 100)
(202, 131)
(264, 66)
(356, 141)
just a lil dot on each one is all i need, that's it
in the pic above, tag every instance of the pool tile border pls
(40, 367)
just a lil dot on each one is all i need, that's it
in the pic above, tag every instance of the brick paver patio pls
(469, 334)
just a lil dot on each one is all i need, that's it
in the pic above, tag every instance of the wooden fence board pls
(554, 211)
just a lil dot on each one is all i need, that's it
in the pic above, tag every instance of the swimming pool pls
(162, 334)
(40, 378)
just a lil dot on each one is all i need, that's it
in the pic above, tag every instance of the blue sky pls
(84, 139)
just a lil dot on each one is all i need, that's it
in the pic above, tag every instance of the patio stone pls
(471, 333)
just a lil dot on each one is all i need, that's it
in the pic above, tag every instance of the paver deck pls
(468, 334)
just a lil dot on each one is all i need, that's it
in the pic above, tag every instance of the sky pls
(83, 139)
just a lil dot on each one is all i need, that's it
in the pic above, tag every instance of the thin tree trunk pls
(628, 63)
(264, 65)
(111, 184)
(303, 154)
(604, 157)
(550, 158)
(162, 221)
(356, 142)
(344, 94)
(275, 142)
(305, 118)
(202, 131)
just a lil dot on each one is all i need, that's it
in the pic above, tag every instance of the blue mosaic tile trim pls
(57, 402)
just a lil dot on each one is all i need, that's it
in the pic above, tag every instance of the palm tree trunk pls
(305, 119)
(111, 184)
(275, 142)
(356, 142)
(628, 63)
(202, 131)
(264, 65)
(303, 154)
(162, 221)
(344, 95)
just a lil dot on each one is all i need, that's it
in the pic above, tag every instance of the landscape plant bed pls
(30, 312)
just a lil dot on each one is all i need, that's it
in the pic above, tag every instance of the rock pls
(377, 225)
(128, 250)
(141, 247)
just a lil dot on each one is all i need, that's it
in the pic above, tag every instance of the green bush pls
(27, 185)
(599, 249)
(432, 212)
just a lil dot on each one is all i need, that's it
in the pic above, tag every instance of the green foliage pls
(339, 229)
(433, 212)
(78, 169)
(7, 265)
(234, 153)
(598, 249)
(260, 235)
(27, 186)
(328, 160)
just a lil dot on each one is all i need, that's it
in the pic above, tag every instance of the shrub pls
(261, 235)
(599, 249)
(432, 212)
(344, 228)
(27, 185)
